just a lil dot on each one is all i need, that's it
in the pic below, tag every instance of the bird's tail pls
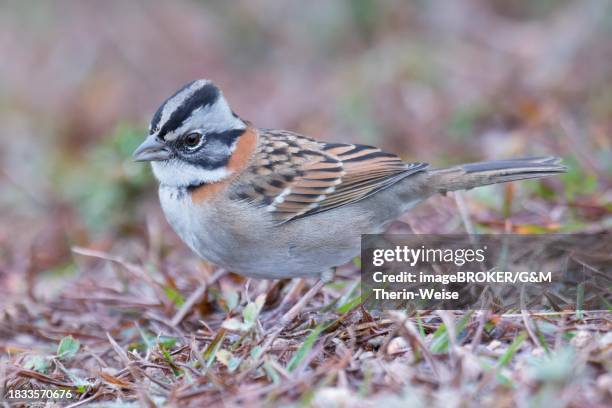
(467, 176)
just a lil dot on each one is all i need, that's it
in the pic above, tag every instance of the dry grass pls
(194, 338)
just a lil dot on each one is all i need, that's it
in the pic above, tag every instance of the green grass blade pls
(512, 349)
(440, 340)
(305, 348)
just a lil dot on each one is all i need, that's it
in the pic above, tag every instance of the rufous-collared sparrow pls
(275, 204)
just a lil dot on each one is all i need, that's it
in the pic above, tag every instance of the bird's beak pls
(151, 150)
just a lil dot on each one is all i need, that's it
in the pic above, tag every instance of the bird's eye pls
(192, 140)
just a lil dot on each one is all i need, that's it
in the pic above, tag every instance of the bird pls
(273, 204)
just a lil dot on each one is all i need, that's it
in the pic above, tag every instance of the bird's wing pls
(293, 176)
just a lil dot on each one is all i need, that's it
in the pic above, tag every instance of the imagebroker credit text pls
(502, 277)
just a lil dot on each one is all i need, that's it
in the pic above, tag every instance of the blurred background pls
(437, 81)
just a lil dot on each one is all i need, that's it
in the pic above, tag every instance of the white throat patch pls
(177, 173)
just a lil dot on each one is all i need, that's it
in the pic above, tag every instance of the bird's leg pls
(288, 317)
(325, 278)
(329, 275)
(293, 294)
(297, 308)
(289, 299)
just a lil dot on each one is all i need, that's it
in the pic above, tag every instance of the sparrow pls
(268, 203)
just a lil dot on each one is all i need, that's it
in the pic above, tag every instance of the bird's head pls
(192, 136)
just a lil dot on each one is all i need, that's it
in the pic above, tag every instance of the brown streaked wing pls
(293, 176)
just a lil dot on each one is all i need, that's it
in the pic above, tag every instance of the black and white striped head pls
(192, 136)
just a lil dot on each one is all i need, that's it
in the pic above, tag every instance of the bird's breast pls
(215, 229)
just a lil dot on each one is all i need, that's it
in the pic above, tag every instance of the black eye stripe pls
(213, 152)
(227, 138)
